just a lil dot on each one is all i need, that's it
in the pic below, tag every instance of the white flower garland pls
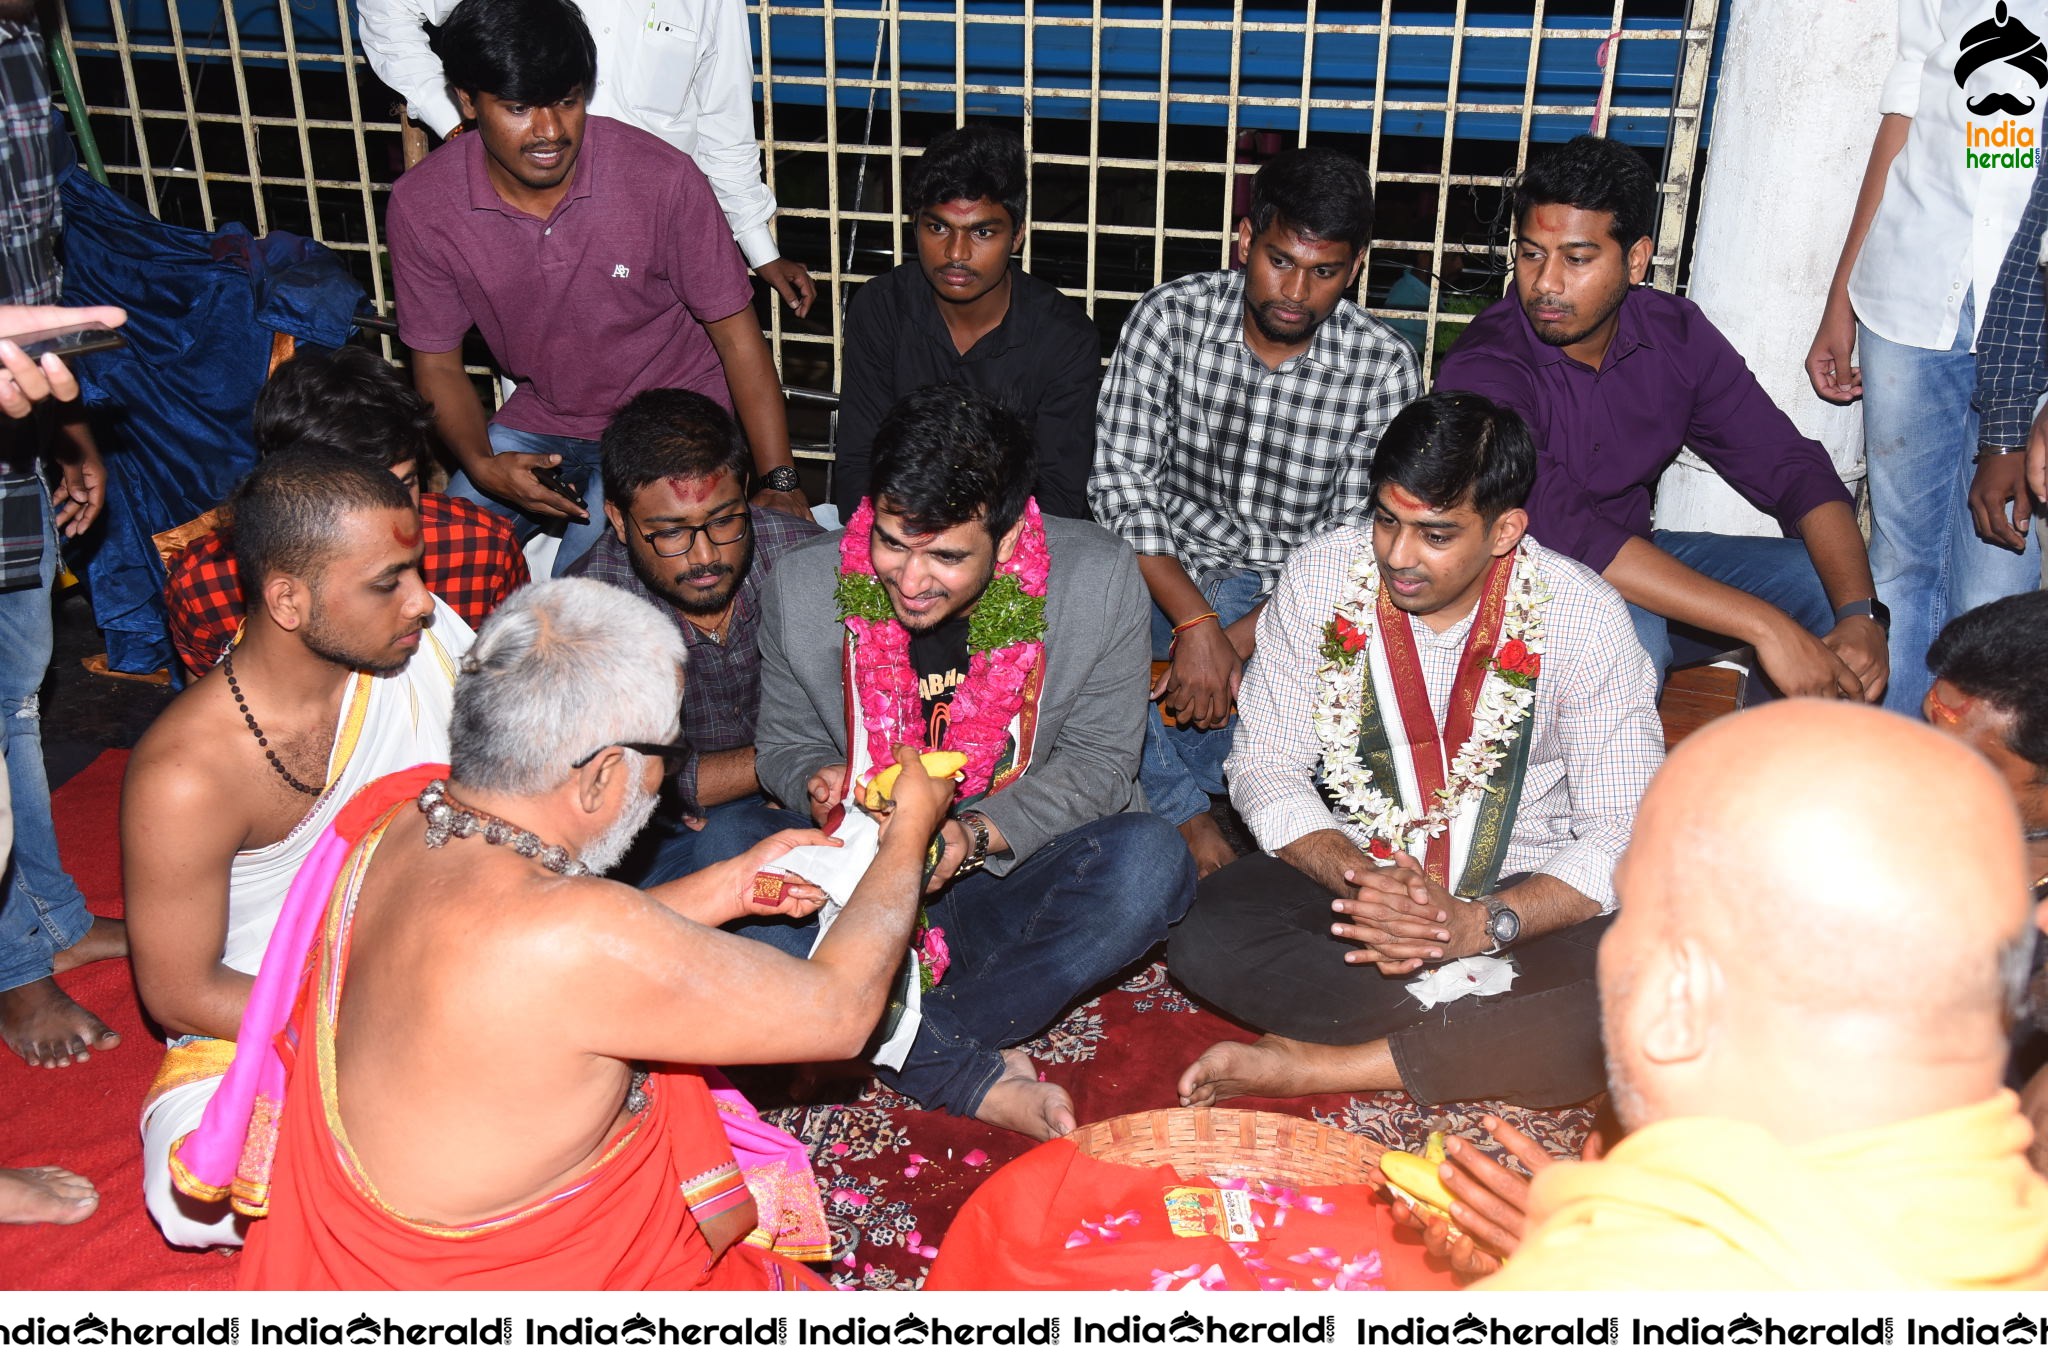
(1379, 818)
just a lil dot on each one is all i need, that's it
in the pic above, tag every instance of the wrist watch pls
(1872, 608)
(976, 825)
(1503, 926)
(782, 479)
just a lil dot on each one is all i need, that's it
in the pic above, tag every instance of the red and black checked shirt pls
(471, 563)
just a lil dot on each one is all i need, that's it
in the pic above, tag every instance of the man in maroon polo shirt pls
(1613, 378)
(593, 258)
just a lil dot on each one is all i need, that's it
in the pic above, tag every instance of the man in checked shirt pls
(1238, 419)
(681, 535)
(352, 402)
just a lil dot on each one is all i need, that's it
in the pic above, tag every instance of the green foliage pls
(862, 596)
(1005, 615)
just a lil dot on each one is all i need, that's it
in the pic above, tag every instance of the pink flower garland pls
(987, 700)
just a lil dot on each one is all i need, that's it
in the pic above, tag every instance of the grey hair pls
(561, 669)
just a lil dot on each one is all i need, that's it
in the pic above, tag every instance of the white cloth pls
(1942, 228)
(838, 869)
(1596, 742)
(386, 724)
(681, 69)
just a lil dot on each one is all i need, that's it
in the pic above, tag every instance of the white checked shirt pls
(1596, 743)
(1204, 454)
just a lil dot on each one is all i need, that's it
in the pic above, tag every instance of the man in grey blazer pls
(974, 624)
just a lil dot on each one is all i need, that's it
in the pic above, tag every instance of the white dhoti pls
(386, 724)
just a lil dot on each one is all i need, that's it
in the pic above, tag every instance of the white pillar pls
(1793, 121)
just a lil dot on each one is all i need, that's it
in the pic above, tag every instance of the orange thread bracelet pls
(1196, 621)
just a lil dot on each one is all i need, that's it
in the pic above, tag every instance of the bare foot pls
(48, 1029)
(1020, 1102)
(1206, 843)
(108, 939)
(45, 1196)
(1272, 1066)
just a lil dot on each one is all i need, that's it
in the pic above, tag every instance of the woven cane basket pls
(1234, 1143)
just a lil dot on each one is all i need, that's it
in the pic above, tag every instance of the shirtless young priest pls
(344, 671)
(1442, 653)
(413, 1148)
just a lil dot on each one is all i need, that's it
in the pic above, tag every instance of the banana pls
(937, 763)
(1434, 1149)
(1416, 1179)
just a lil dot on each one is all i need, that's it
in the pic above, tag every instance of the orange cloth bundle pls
(1057, 1219)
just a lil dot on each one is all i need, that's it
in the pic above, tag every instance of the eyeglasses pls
(671, 542)
(671, 756)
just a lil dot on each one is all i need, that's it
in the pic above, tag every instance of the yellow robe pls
(1944, 1201)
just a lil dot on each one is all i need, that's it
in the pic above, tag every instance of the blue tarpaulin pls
(171, 409)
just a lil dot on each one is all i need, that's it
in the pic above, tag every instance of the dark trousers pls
(1081, 909)
(1257, 944)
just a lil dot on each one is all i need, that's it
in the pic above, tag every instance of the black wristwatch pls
(782, 479)
(1872, 608)
(1502, 924)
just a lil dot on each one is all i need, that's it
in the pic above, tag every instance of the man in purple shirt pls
(680, 534)
(593, 258)
(1613, 379)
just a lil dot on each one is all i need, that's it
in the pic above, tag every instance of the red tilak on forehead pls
(692, 488)
(1401, 500)
(404, 536)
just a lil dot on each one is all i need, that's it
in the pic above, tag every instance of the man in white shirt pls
(681, 69)
(1941, 198)
(1442, 737)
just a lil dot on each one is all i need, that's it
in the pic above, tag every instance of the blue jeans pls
(1024, 946)
(1776, 569)
(41, 909)
(1181, 767)
(1920, 439)
(669, 850)
(579, 464)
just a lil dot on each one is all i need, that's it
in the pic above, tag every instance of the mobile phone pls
(67, 341)
(552, 479)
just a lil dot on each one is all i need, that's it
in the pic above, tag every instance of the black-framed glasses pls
(670, 542)
(671, 755)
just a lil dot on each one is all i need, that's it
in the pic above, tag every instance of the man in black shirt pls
(960, 314)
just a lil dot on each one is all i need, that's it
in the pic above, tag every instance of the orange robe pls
(1943, 1201)
(625, 1224)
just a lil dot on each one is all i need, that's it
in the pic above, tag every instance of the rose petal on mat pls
(975, 1158)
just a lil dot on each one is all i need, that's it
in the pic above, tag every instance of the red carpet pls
(84, 1117)
(893, 1175)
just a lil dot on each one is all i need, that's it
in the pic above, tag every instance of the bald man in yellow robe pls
(1805, 1002)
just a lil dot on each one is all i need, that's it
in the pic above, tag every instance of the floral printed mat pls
(894, 1175)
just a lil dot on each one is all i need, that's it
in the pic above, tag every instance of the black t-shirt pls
(940, 658)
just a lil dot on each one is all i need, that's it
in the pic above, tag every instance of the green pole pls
(74, 101)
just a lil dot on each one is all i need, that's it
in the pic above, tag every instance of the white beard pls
(602, 855)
